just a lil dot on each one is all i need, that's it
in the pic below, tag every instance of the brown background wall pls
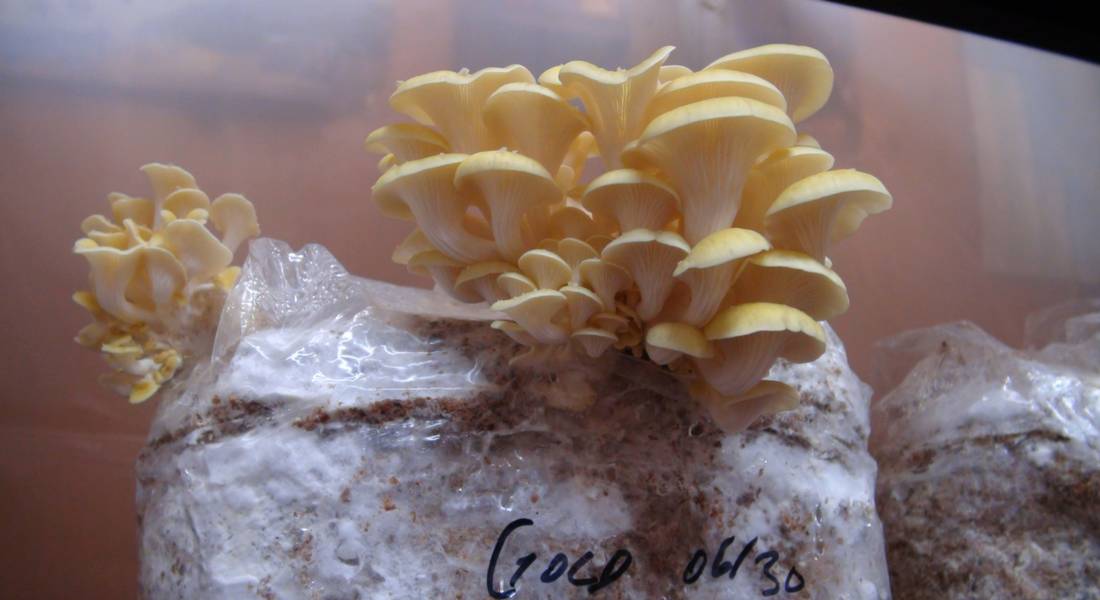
(988, 148)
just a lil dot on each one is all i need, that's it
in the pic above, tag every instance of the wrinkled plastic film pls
(989, 458)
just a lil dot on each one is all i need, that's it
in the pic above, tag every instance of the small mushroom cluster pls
(703, 245)
(158, 275)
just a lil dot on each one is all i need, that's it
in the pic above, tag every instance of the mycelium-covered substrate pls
(990, 465)
(352, 439)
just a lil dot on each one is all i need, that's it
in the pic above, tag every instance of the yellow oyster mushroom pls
(593, 340)
(235, 218)
(165, 276)
(672, 72)
(511, 187)
(802, 73)
(614, 100)
(424, 189)
(706, 150)
(535, 122)
(805, 139)
(736, 413)
(666, 342)
(536, 312)
(453, 103)
(774, 174)
(749, 337)
(111, 273)
(201, 254)
(515, 331)
(515, 284)
(98, 223)
(794, 279)
(608, 321)
(404, 142)
(633, 199)
(714, 83)
(824, 208)
(140, 210)
(570, 221)
(582, 303)
(551, 80)
(605, 278)
(574, 251)
(711, 267)
(413, 244)
(183, 202)
(165, 179)
(444, 270)
(580, 150)
(650, 257)
(480, 279)
(548, 270)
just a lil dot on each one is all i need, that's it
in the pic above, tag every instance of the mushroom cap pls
(509, 186)
(444, 271)
(594, 340)
(452, 102)
(234, 216)
(650, 257)
(546, 269)
(736, 413)
(605, 278)
(515, 284)
(413, 244)
(165, 179)
(480, 279)
(574, 251)
(713, 83)
(583, 303)
(535, 121)
(608, 321)
(405, 141)
(386, 162)
(571, 221)
(423, 190)
(535, 311)
(794, 279)
(551, 80)
(184, 201)
(774, 174)
(635, 200)
(712, 266)
(805, 344)
(671, 72)
(665, 342)
(706, 149)
(515, 331)
(722, 247)
(140, 210)
(823, 208)
(387, 191)
(805, 139)
(614, 100)
(802, 73)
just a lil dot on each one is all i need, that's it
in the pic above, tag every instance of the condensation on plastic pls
(353, 439)
(989, 459)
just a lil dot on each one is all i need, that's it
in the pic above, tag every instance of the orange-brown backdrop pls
(988, 148)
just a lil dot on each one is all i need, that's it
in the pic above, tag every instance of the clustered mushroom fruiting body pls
(703, 245)
(158, 276)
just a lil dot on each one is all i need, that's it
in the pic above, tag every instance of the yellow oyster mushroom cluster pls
(158, 276)
(703, 245)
